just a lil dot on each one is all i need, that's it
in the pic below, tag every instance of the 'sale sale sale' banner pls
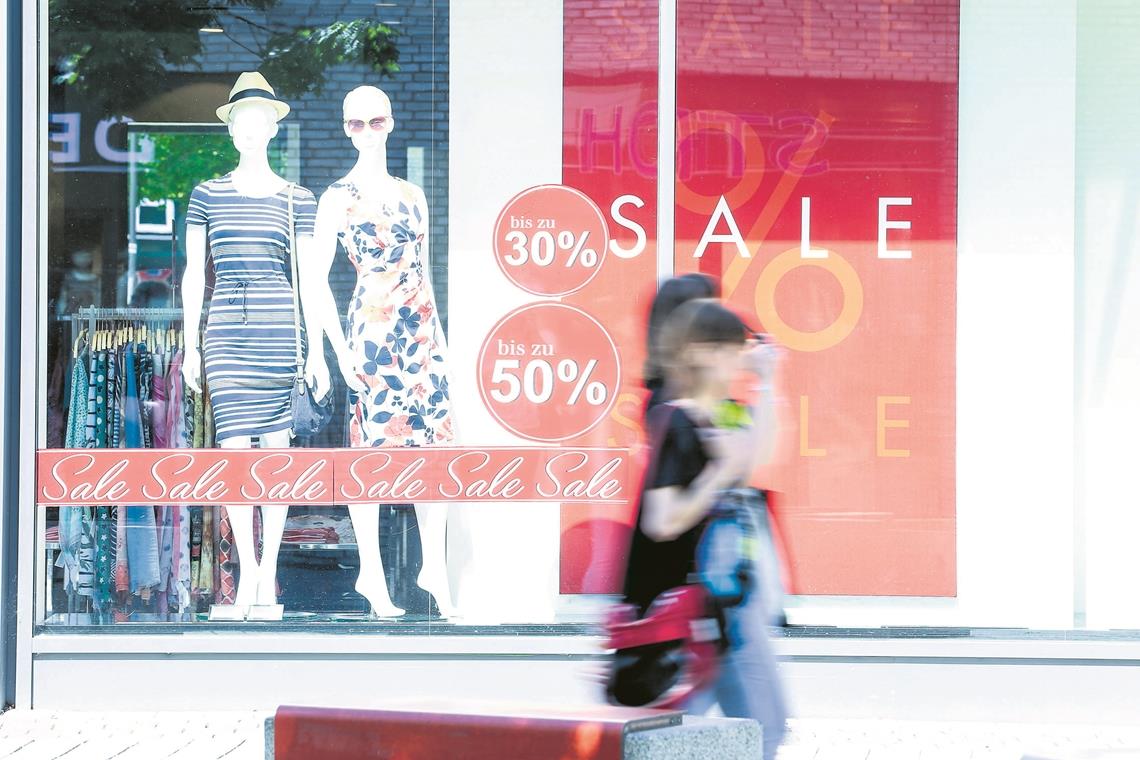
(816, 171)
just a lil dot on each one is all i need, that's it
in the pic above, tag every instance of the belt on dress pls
(243, 290)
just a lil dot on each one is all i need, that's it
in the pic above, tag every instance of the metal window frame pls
(33, 93)
(10, 158)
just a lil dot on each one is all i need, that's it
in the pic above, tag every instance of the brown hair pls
(704, 320)
(672, 293)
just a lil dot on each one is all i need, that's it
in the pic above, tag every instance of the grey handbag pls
(309, 415)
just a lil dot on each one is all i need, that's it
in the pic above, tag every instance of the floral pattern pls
(392, 325)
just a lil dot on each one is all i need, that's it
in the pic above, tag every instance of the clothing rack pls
(93, 314)
(144, 314)
(130, 312)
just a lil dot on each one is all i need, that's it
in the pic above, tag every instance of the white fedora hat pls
(251, 86)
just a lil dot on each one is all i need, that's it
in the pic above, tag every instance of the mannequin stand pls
(266, 612)
(227, 613)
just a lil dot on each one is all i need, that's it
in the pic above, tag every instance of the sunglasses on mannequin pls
(377, 123)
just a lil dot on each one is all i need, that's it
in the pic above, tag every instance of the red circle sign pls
(551, 240)
(548, 372)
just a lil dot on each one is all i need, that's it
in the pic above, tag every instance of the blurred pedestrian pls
(702, 346)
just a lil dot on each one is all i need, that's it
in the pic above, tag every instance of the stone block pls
(697, 739)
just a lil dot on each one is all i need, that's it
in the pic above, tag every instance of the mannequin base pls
(227, 612)
(436, 583)
(272, 612)
(379, 603)
(385, 613)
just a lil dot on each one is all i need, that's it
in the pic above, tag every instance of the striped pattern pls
(249, 350)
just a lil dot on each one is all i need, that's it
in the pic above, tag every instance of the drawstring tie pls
(243, 293)
(243, 290)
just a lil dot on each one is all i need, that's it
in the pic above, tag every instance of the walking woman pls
(703, 347)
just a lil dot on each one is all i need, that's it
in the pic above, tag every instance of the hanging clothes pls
(95, 435)
(125, 390)
(227, 587)
(176, 429)
(144, 373)
(115, 397)
(75, 539)
(155, 411)
(142, 539)
(89, 429)
(179, 588)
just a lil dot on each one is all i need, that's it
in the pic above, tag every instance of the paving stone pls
(45, 735)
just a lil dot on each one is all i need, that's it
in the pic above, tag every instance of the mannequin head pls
(82, 259)
(252, 125)
(365, 105)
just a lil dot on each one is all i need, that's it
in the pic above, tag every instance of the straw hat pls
(251, 86)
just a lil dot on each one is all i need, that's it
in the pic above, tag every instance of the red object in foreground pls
(681, 614)
(479, 733)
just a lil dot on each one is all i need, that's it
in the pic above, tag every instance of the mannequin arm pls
(309, 287)
(425, 251)
(425, 260)
(330, 210)
(193, 290)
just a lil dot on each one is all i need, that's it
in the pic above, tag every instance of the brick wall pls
(913, 40)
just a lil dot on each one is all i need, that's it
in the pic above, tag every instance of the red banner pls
(816, 179)
(609, 153)
(92, 477)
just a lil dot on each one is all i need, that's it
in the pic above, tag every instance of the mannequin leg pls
(371, 583)
(241, 521)
(432, 519)
(272, 528)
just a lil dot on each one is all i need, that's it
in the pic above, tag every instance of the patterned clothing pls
(99, 380)
(392, 325)
(141, 541)
(116, 398)
(75, 539)
(250, 342)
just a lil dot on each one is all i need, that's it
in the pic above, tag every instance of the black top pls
(656, 388)
(680, 456)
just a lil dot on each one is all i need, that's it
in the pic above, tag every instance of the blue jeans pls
(748, 684)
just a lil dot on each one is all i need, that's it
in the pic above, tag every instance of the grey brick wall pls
(910, 40)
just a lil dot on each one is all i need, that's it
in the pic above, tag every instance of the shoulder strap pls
(296, 284)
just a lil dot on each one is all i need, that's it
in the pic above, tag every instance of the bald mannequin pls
(372, 108)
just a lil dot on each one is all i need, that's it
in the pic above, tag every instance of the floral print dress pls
(392, 325)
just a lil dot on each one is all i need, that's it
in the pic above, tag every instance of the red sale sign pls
(817, 180)
(93, 477)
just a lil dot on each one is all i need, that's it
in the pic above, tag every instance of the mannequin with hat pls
(392, 351)
(249, 348)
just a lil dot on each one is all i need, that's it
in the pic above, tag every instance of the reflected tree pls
(118, 53)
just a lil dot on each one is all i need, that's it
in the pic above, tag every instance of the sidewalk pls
(914, 740)
(36, 735)
(28, 735)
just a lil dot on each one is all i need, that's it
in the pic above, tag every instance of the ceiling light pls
(212, 30)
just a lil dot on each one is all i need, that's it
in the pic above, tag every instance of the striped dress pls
(249, 349)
